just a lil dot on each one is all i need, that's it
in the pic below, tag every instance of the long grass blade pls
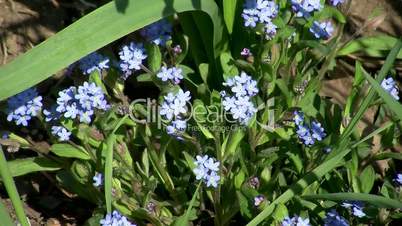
(95, 30)
(12, 190)
(377, 200)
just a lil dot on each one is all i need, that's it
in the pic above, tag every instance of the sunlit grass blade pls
(377, 200)
(12, 190)
(5, 216)
(93, 31)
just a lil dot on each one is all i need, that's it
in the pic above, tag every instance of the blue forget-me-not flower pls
(322, 30)
(131, 58)
(336, 2)
(332, 218)
(115, 219)
(261, 12)
(239, 104)
(23, 106)
(173, 74)
(98, 179)
(158, 33)
(207, 170)
(304, 8)
(174, 110)
(81, 102)
(62, 133)
(398, 178)
(93, 62)
(296, 221)
(308, 134)
(391, 87)
(356, 208)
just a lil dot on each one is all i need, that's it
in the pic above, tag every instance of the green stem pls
(160, 169)
(217, 199)
(12, 189)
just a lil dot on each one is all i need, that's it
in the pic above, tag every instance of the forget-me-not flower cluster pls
(158, 33)
(308, 134)
(239, 104)
(173, 74)
(62, 133)
(261, 12)
(23, 106)
(356, 207)
(115, 219)
(332, 218)
(207, 170)
(81, 102)
(322, 29)
(131, 58)
(93, 62)
(391, 87)
(174, 110)
(296, 221)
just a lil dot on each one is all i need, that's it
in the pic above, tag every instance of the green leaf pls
(69, 151)
(393, 104)
(366, 179)
(5, 216)
(204, 72)
(144, 78)
(376, 200)
(229, 12)
(95, 30)
(24, 166)
(236, 136)
(154, 57)
(228, 67)
(280, 212)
